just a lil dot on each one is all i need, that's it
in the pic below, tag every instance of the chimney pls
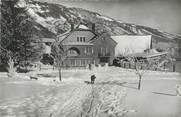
(93, 27)
(72, 26)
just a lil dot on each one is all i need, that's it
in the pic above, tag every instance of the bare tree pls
(138, 67)
(143, 65)
(59, 55)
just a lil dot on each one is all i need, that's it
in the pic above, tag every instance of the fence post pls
(173, 67)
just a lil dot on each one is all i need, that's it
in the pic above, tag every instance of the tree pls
(138, 67)
(8, 55)
(59, 55)
(143, 65)
(17, 34)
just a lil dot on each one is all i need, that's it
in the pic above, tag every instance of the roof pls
(97, 37)
(127, 44)
(61, 37)
(78, 43)
(50, 40)
(152, 53)
(81, 26)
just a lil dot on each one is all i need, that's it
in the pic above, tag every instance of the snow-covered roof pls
(148, 55)
(50, 40)
(81, 26)
(127, 44)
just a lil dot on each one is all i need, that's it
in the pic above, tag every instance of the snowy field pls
(114, 94)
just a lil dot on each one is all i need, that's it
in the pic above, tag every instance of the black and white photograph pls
(90, 58)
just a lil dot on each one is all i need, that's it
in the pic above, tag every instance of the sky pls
(164, 15)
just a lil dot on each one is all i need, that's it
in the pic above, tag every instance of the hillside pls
(53, 19)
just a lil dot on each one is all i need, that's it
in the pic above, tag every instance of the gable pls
(78, 36)
(104, 40)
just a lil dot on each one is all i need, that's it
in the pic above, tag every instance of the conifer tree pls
(17, 36)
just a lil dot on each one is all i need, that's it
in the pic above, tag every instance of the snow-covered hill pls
(53, 19)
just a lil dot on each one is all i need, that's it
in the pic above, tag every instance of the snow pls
(47, 49)
(128, 44)
(49, 19)
(120, 21)
(37, 8)
(104, 17)
(113, 86)
(37, 17)
(21, 4)
(83, 26)
(62, 19)
(37, 27)
(45, 22)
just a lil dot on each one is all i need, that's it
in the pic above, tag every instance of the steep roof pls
(127, 44)
(80, 27)
(98, 37)
(50, 40)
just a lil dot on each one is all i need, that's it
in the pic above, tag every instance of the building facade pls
(83, 47)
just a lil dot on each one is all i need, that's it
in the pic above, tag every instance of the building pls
(128, 44)
(84, 47)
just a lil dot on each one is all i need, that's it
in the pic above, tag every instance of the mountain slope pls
(53, 19)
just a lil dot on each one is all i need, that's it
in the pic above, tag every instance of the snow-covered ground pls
(21, 97)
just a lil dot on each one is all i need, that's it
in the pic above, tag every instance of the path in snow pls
(53, 101)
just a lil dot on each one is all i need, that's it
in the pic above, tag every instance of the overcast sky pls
(160, 14)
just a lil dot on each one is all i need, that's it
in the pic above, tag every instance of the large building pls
(84, 47)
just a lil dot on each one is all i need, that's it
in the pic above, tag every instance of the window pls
(77, 62)
(88, 50)
(92, 50)
(101, 50)
(72, 62)
(85, 51)
(83, 39)
(106, 51)
(83, 62)
(80, 39)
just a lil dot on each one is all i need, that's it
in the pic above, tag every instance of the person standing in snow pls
(93, 77)
(178, 90)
